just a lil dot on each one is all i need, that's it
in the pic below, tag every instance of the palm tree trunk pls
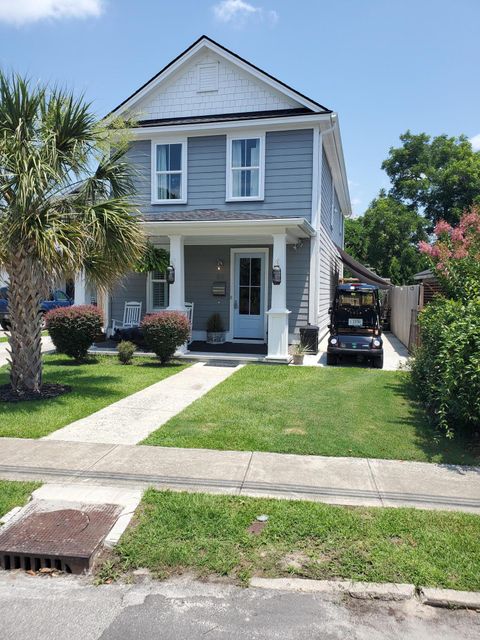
(25, 292)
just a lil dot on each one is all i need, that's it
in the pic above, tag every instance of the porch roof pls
(207, 222)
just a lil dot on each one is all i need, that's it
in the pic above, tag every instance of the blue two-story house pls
(242, 179)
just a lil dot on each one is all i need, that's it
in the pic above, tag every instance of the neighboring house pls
(239, 175)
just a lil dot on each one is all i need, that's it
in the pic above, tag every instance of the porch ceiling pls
(253, 227)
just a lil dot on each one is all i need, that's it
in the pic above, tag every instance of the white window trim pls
(261, 173)
(155, 143)
(150, 280)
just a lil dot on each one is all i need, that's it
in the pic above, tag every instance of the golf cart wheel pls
(332, 360)
(378, 362)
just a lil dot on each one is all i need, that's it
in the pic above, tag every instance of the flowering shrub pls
(164, 332)
(73, 329)
(446, 367)
(455, 256)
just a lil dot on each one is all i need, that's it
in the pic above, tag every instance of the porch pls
(253, 271)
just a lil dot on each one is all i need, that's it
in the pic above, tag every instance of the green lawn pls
(14, 494)
(309, 410)
(5, 338)
(94, 386)
(175, 532)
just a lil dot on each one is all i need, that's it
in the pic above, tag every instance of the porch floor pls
(228, 347)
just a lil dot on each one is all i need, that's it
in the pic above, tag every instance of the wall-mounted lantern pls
(171, 274)
(220, 264)
(276, 275)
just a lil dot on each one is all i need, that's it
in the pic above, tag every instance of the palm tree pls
(64, 206)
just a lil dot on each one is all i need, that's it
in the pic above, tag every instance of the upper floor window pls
(245, 168)
(169, 176)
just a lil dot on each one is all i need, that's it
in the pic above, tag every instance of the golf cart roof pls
(356, 286)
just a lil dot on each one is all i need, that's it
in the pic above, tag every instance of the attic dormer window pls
(208, 77)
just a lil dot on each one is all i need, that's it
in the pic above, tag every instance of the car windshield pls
(357, 299)
(355, 311)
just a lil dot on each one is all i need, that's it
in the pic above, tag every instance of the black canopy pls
(360, 271)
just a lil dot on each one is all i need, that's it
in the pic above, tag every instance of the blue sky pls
(383, 65)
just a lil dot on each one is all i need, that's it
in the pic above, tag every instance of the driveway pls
(395, 354)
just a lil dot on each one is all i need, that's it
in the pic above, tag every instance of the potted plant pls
(298, 352)
(215, 329)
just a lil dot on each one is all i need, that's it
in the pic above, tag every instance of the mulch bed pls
(47, 391)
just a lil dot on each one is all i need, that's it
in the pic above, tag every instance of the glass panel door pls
(249, 296)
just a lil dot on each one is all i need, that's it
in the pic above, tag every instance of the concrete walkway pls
(350, 481)
(133, 418)
(47, 345)
(395, 354)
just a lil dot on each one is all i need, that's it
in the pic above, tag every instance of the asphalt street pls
(45, 608)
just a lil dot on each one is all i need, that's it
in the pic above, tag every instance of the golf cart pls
(355, 323)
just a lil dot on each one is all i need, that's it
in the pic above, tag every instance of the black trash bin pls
(309, 338)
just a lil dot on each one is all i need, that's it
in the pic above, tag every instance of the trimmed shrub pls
(164, 332)
(73, 329)
(446, 367)
(126, 350)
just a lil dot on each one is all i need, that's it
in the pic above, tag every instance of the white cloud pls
(19, 12)
(238, 12)
(475, 142)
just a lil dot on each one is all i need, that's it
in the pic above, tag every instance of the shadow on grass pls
(70, 362)
(156, 364)
(437, 448)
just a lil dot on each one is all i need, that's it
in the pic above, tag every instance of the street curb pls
(450, 598)
(361, 590)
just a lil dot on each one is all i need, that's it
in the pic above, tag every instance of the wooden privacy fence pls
(405, 303)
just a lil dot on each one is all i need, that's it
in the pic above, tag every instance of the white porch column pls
(80, 296)
(177, 260)
(278, 313)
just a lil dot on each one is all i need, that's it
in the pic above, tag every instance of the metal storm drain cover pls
(47, 536)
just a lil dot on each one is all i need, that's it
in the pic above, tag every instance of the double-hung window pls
(245, 168)
(169, 179)
(157, 293)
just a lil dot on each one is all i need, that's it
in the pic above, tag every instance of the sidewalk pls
(349, 481)
(47, 345)
(133, 418)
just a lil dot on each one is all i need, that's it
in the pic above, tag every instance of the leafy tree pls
(58, 214)
(439, 176)
(386, 238)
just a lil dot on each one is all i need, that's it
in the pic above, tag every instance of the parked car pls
(56, 299)
(355, 324)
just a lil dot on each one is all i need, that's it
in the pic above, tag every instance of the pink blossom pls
(442, 227)
(457, 235)
(470, 221)
(424, 247)
(460, 253)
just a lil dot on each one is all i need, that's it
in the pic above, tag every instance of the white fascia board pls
(200, 128)
(332, 143)
(300, 226)
(245, 66)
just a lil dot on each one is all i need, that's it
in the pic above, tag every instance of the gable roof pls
(205, 41)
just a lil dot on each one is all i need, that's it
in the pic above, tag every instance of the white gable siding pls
(237, 92)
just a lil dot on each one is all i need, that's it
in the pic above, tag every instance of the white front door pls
(249, 296)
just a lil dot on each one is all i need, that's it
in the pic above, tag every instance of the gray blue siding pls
(288, 175)
(330, 267)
